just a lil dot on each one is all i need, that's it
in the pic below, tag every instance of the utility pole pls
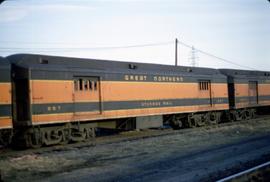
(176, 49)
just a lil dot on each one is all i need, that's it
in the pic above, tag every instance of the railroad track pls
(247, 141)
(121, 137)
(257, 173)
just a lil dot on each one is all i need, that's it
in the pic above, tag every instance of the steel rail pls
(244, 172)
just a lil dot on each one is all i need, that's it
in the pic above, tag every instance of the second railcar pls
(248, 91)
(5, 102)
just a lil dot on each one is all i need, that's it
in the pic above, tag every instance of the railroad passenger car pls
(5, 102)
(248, 90)
(63, 99)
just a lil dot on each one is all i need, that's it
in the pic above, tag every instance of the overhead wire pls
(87, 48)
(214, 56)
(75, 49)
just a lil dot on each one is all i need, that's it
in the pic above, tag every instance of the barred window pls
(204, 85)
(85, 84)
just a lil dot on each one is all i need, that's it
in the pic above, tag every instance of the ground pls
(201, 154)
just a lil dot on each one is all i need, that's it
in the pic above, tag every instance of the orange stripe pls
(47, 91)
(5, 93)
(264, 89)
(264, 102)
(5, 123)
(119, 91)
(67, 117)
(241, 90)
(247, 104)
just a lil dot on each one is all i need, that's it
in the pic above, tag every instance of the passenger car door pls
(86, 95)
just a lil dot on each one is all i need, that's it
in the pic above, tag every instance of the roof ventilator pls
(132, 66)
(44, 61)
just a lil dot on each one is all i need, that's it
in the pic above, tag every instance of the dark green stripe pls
(264, 82)
(5, 110)
(264, 97)
(64, 107)
(247, 80)
(64, 75)
(68, 75)
(160, 103)
(120, 105)
(163, 78)
(4, 75)
(252, 99)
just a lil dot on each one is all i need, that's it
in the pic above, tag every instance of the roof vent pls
(189, 70)
(44, 61)
(132, 66)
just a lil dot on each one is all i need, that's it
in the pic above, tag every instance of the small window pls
(90, 85)
(95, 85)
(204, 85)
(85, 84)
(80, 84)
(75, 85)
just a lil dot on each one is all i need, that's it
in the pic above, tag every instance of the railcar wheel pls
(78, 135)
(200, 120)
(213, 119)
(92, 132)
(85, 134)
(51, 136)
(65, 136)
(6, 137)
(253, 113)
(33, 139)
(177, 122)
(192, 122)
(232, 117)
(248, 114)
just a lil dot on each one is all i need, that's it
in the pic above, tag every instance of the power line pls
(75, 49)
(42, 43)
(217, 57)
(82, 48)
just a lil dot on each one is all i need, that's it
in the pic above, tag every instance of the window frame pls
(84, 83)
(204, 85)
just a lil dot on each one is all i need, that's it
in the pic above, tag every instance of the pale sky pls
(236, 30)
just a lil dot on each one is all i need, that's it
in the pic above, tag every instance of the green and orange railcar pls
(57, 99)
(5, 102)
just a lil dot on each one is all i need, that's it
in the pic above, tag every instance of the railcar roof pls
(245, 73)
(79, 63)
(4, 62)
